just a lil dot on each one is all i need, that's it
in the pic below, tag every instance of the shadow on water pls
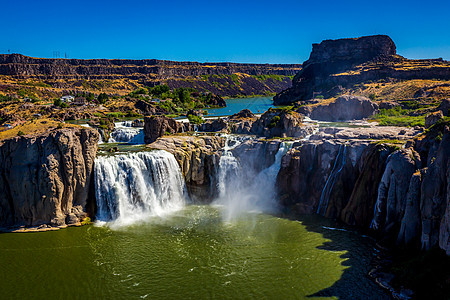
(360, 250)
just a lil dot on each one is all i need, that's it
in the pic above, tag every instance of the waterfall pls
(246, 190)
(131, 187)
(124, 133)
(339, 164)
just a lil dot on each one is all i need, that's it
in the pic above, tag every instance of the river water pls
(190, 254)
(256, 105)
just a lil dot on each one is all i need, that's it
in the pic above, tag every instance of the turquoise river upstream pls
(190, 254)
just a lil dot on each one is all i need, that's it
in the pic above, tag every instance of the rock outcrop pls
(335, 64)
(281, 123)
(46, 179)
(157, 126)
(198, 158)
(344, 108)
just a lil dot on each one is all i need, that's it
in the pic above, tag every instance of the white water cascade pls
(132, 187)
(243, 190)
(339, 164)
(124, 133)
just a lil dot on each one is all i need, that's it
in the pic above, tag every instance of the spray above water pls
(135, 186)
(242, 190)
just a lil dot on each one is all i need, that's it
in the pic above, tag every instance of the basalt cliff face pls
(225, 79)
(401, 195)
(335, 64)
(46, 179)
(24, 66)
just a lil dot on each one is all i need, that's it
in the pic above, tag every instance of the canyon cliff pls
(46, 178)
(120, 76)
(338, 64)
(399, 194)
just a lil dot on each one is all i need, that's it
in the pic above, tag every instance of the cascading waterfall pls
(134, 186)
(124, 133)
(339, 164)
(247, 191)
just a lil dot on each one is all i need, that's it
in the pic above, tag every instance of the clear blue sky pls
(238, 31)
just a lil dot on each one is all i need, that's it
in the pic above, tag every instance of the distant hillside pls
(120, 76)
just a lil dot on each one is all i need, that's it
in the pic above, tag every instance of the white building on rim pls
(67, 99)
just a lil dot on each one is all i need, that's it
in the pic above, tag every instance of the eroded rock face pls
(344, 108)
(198, 158)
(45, 179)
(280, 123)
(401, 194)
(331, 57)
(157, 126)
(433, 118)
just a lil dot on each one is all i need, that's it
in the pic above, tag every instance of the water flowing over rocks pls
(198, 158)
(46, 179)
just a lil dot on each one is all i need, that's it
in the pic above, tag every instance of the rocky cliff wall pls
(46, 179)
(401, 195)
(334, 64)
(23, 67)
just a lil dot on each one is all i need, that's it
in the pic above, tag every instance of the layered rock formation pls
(399, 194)
(224, 79)
(334, 64)
(25, 66)
(46, 179)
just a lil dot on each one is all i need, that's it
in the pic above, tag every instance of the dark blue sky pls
(239, 31)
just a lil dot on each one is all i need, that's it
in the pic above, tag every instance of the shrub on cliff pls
(195, 119)
(102, 98)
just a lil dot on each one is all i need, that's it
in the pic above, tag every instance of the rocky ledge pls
(46, 179)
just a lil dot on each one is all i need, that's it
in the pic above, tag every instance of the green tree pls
(102, 98)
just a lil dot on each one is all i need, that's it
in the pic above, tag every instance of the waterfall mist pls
(131, 187)
(242, 188)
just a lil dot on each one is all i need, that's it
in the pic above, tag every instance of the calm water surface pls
(192, 254)
(256, 105)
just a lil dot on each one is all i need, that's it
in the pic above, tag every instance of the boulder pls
(345, 108)
(433, 118)
(216, 125)
(281, 123)
(444, 107)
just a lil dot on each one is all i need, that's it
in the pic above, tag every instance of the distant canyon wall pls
(24, 66)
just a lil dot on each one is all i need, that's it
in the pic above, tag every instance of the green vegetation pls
(266, 77)
(174, 101)
(195, 119)
(102, 98)
(86, 221)
(274, 122)
(20, 133)
(398, 117)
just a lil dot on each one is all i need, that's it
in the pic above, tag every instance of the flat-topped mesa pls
(337, 65)
(331, 57)
(353, 50)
